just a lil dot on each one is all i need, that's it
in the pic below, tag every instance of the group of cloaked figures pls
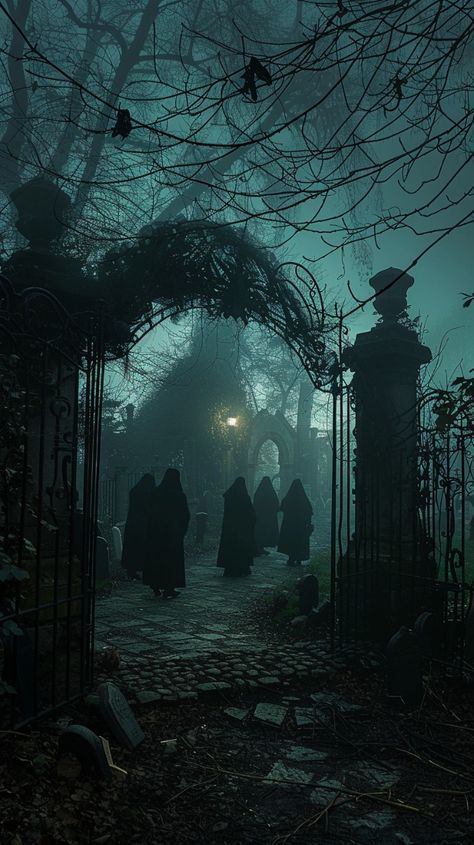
(158, 519)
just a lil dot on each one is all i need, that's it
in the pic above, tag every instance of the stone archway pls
(275, 427)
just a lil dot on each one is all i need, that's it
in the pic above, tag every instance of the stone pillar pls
(387, 576)
(50, 313)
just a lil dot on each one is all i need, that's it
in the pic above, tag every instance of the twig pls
(190, 786)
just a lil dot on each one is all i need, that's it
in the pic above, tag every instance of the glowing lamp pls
(232, 422)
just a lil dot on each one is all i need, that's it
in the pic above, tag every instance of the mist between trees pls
(337, 131)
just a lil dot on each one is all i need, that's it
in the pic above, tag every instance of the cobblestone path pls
(203, 641)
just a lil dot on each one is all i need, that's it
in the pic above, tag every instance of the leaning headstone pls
(102, 562)
(404, 669)
(117, 543)
(87, 747)
(119, 716)
(308, 590)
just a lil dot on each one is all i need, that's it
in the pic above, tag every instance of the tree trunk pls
(16, 131)
(127, 62)
(61, 154)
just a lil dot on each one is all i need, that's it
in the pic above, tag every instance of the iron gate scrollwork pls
(51, 382)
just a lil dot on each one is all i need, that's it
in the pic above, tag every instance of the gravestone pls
(117, 543)
(404, 669)
(117, 712)
(102, 563)
(308, 591)
(87, 747)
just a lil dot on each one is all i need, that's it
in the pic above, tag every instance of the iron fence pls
(51, 381)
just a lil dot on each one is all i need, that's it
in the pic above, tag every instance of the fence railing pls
(51, 375)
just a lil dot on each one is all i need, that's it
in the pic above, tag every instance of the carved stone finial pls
(42, 210)
(391, 303)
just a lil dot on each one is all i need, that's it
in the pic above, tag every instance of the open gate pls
(51, 381)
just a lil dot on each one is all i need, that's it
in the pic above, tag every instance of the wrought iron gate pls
(51, 382)
(434, 573)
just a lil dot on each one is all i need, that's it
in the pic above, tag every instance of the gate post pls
(52, 331)
(385, 571)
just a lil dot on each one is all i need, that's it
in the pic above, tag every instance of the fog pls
(354, 157)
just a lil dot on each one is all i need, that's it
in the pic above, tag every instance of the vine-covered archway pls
(174, 267)
(53, 303)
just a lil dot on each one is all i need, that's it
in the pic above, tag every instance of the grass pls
(320, 565)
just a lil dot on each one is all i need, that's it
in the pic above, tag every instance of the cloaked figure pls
(266, 506)
(296, 527)
(168, 523)
(237, 543)
(135, 536)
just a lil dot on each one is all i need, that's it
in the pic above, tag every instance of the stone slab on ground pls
(237, 713)
(271, 714)
(304, 717)
(281, 773)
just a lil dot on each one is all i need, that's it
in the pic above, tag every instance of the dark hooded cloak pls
(266, 506)
(237, 543)
(136, 527)
(296, 527)
(168, 523)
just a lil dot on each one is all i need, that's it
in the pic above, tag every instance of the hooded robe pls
(135, 535)
(237, 543)
(296, 527)
(167, 526)
(266, 506)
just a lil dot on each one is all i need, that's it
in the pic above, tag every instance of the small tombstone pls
(308, 590)
(427, 630)
(87, 747)
(201, 527)
(117, 543)
(404, 668)
(118, 714)
(102, 562)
